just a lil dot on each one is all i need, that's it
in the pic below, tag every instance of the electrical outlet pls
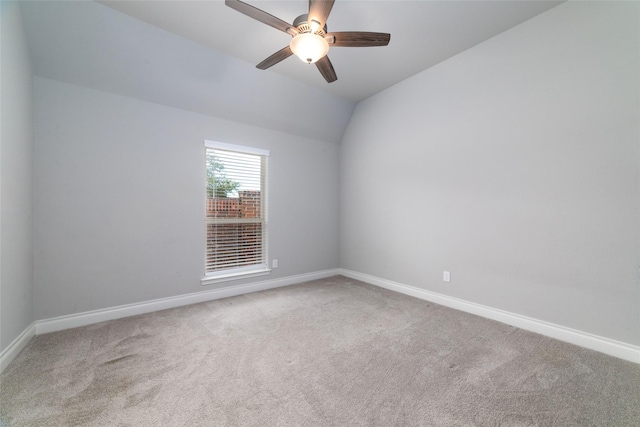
(446, 276)
(274, 263)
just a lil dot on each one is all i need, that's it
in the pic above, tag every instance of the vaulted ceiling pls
(423, 33)
(201, 55)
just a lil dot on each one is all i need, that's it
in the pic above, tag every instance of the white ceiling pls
(423, 33)
(200, 56)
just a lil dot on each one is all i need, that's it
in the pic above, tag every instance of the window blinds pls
(236, 232)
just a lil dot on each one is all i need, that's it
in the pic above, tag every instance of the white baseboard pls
(9, 353)
(604, 345)
(584, 339)
(96, 316)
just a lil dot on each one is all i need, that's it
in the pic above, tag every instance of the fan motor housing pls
(303, 25)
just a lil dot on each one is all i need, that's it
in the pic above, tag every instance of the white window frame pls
(248, 271)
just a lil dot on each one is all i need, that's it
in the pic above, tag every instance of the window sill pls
(210, 280)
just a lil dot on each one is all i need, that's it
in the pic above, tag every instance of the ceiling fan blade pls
(358, 39)
(283, 53)
(258, 15)
(326, 69)
(319, 10)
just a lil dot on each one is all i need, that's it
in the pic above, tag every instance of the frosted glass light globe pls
(309, 47)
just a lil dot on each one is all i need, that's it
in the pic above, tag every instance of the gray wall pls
(120, 199)
(16, 178)
(514, 165)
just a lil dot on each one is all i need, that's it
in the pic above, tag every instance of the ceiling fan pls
(310, 39)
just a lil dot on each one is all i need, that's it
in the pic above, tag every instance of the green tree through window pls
(218, 185)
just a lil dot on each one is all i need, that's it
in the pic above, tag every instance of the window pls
(235, 217)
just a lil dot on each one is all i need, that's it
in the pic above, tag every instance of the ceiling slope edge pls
(94, 46)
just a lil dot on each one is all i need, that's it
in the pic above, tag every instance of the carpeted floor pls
(332, 352)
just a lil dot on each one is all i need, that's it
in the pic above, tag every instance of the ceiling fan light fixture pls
(309, 47)
(310, 40)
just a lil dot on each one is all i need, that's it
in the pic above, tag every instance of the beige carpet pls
(333, 352)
